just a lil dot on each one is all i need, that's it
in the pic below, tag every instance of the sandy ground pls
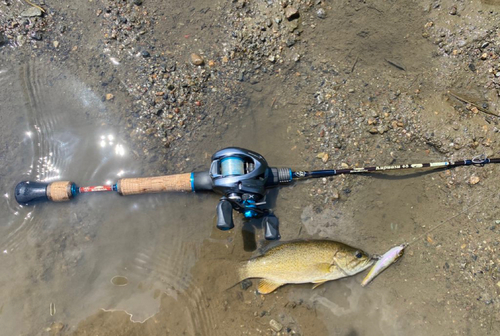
(344, 83)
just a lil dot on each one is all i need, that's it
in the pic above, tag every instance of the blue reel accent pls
(74, 190)
(250, 213)
(191, 179)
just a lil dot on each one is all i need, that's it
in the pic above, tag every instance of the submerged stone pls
(31, 12)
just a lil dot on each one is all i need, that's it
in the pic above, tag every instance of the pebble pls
(31, 12)
(473, 180)
(275, 325)
(196, 59)
(245, 284)
(56, 44)
(335, 194)
(321, 13)
(3, 39)
(484, 56)
(137, 2)
(56, 327)
(20, 40)
(291, 13)
(453, 10)
(36, 36)
(109, 96)
(145, 53)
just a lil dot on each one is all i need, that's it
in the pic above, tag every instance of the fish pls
(306, 261)
(386, 260)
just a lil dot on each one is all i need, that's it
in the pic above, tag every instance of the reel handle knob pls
(225, 215)
(271, 227)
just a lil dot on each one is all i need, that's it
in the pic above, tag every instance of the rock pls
(56, 44)
(245, 284)
(321, 13)
(196, 59)
(31, 12)
(145, 53)
(473, 180)
(3, 40)
(373, 130)
(382, 129)
(335, 194)
(291, 13)
(36, 36)
(137, 2)
(290, 41)
(484, 56)
(453, 10)
(275, 325)
(20, 40)
(325, 158)
(56, 328)
(109, 96)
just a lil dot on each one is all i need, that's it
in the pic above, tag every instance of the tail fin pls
(243, 271)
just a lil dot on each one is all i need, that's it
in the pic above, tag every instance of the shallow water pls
(66, 254)
(99, 251)
(155, 264)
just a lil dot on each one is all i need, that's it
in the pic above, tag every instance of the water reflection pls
(64, 254)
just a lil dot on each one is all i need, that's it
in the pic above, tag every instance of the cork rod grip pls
(59, 191)
(156, 184)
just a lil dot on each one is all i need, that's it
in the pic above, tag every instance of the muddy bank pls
(311, 85)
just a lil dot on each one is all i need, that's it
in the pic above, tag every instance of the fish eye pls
(359, 254)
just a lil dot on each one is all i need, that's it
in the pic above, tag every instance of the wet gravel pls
(352, 116)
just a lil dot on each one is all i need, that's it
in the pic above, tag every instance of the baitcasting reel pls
(242, 177)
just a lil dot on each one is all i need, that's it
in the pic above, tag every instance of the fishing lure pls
(385, 261)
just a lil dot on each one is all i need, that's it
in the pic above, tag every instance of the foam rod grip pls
(156, 184)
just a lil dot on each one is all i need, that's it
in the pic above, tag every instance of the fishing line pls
(440, 224)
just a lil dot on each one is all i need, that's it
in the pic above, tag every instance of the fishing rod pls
(240, 175)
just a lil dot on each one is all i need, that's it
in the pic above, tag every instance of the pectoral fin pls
(267, 286)
(325, 267)
(318, 283)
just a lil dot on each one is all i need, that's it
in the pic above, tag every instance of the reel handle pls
(155, 184)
